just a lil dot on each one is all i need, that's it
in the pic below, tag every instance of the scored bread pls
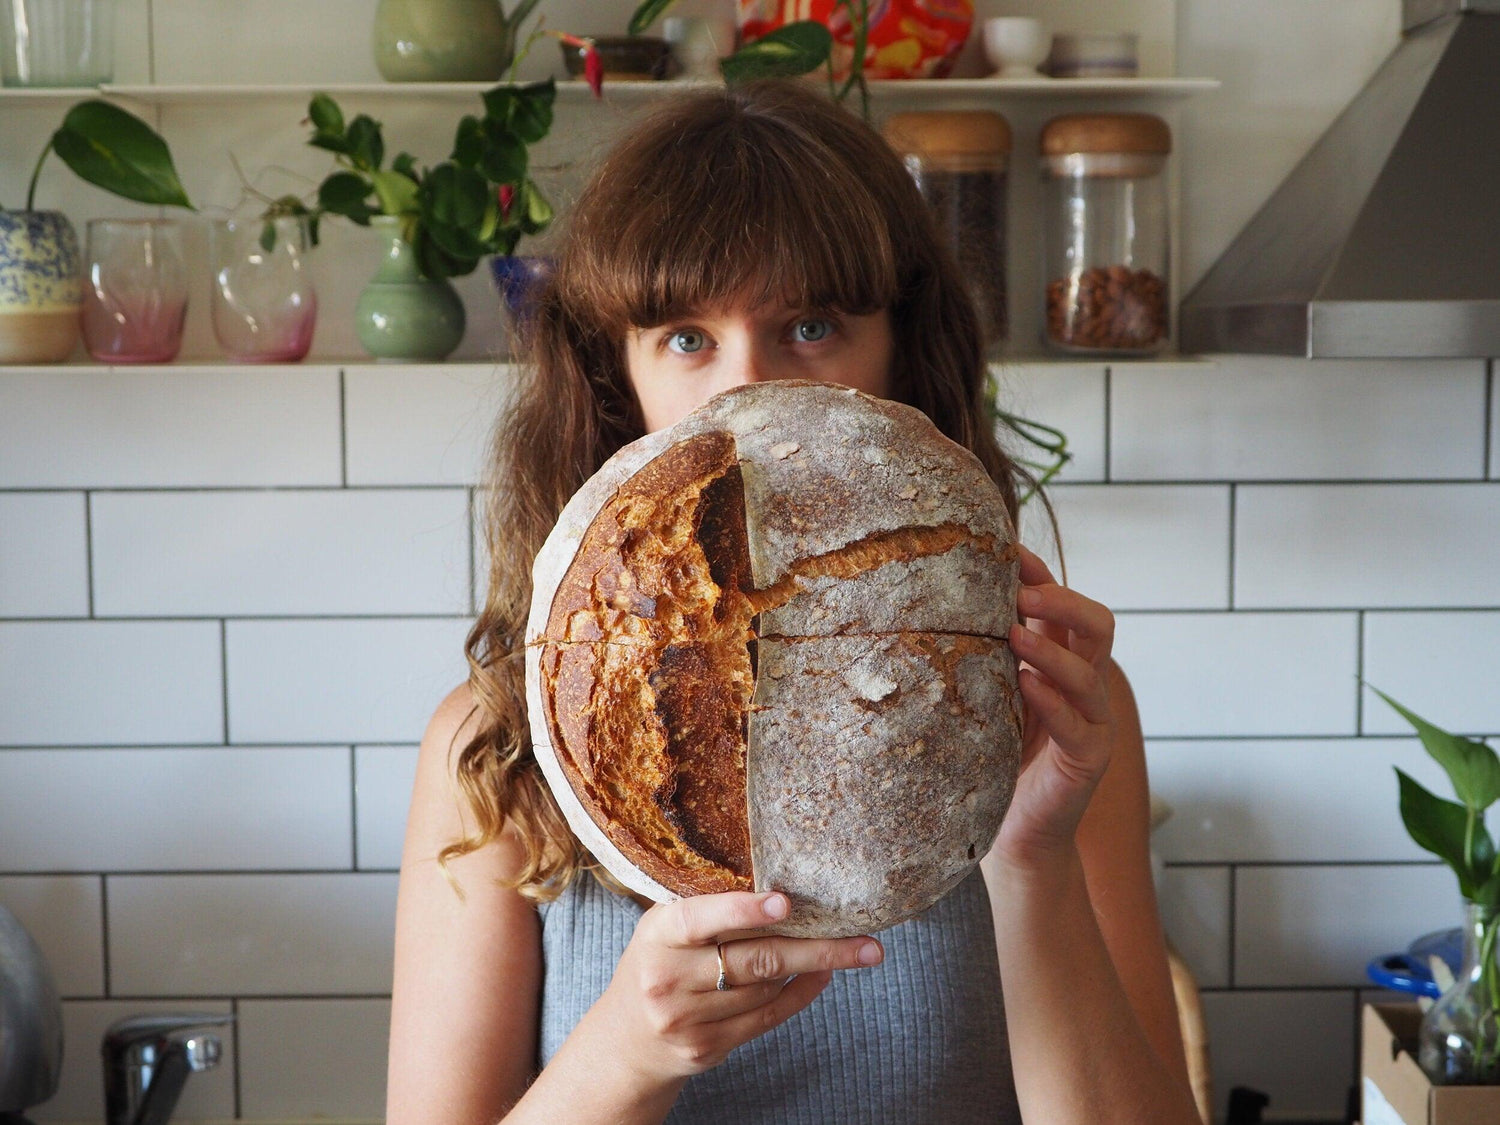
(767, 649)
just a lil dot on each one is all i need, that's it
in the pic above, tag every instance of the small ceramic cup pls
(1015, 45)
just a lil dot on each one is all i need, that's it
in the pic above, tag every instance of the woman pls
(757, 234)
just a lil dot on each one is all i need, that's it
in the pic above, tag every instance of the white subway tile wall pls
(229, 603)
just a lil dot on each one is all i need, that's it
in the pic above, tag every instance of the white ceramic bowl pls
(1015, 45)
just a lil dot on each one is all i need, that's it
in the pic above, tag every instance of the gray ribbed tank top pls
(919, 1038)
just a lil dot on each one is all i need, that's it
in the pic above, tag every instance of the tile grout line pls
(1233, 895)
(1359, 673)
(343, 435)
(104, 928)
(473, 583)
(88, 546)
(1234, 496)
(224, 674)
(234, 1008)
(1489, 415)
(1108, 386)
(353, 809)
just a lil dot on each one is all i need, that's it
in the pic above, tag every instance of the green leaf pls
(468, 142)
(344, 193)
(120, 153)
(455, 197)
(505, 158)
(268, 236)
(436, 263)
(793, 49)
(1439, 826)
(537, 215)
(406, 164)
(524, 110)
(366, 147)
(1488, 893)
(646, 15)
(332, 142)
(397, 193)
(1472, 766)
(326, 115)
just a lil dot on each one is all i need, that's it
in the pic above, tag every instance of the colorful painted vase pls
(401, 315)
(41, 290)
(908, 38)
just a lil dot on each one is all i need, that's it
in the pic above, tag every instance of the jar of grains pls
(960, 160)
(1104, 219)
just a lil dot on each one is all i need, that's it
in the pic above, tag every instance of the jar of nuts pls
(1105, 241)
(960, 160)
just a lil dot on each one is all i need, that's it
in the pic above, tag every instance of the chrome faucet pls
(147, 1059)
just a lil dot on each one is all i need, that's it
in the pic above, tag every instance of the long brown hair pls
(769, 190)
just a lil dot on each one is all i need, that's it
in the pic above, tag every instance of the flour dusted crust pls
(767, 648)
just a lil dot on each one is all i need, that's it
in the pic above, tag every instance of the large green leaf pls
(1472, 766)
(505, 157)
(796, 48)
(455, 197)
(646, 15)
(366, 147)
(1440, 827)
(120, 153)
(435, 262)
(524, 110)
(468, 142)
(345, 193)
(325, 115)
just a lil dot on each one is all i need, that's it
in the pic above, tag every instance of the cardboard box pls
(1394, 1091)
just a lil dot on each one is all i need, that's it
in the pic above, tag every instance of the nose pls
(747, 358)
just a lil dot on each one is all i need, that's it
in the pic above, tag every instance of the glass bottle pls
(1460, 1037)
(1105, 233)
(960, 160)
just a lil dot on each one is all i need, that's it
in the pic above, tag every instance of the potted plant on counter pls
(41, 291)
(1460, 1038)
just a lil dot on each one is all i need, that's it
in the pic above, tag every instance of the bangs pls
(729, 205)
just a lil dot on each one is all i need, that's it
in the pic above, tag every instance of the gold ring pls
(723, 982)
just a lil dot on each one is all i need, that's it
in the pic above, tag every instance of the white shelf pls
(217, 365)
(575, 90)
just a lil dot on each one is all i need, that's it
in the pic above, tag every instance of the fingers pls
(1091, 623)
(1072, 677)
(759, 960)
(704, 919)
(797, 995)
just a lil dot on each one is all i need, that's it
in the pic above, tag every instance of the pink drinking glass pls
(262, 298)
(135, 290)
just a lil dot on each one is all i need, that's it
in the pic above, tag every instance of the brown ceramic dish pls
(626, 58)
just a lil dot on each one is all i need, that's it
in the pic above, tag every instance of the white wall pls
(228, 603)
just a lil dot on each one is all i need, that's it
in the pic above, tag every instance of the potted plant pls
(1460, 1039)
(41, 292)
(439, 222)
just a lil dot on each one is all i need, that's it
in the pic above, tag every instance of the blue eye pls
(827, 327)
(691, 334)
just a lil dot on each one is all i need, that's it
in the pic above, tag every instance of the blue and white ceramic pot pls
(41, 288)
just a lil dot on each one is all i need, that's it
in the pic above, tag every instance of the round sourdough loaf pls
(767, 649)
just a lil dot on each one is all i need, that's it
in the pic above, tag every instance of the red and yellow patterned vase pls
(908, 38)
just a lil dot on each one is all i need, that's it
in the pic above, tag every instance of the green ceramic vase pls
(41, 287)
(402, 315)
(442, 40)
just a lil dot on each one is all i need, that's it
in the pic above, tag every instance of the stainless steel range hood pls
(1385, 239)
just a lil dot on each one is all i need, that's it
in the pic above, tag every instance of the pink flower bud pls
(507, 195)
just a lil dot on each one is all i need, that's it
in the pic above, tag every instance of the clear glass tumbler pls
(262, 299)
(57, 42)
(135, 290)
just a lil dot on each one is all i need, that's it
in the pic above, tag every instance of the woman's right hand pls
(663, 1007)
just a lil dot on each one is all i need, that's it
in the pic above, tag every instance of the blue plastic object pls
(1408, 972)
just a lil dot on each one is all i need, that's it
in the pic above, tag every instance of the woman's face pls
(677, 366)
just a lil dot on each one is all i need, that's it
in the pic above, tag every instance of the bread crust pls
(782, 539)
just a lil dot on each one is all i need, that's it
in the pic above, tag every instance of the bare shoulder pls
(468, 964)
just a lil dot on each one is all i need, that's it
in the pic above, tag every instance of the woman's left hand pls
(1064, 662)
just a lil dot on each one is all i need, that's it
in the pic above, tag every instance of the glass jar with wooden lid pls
(1105, 233)
(960, 160)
